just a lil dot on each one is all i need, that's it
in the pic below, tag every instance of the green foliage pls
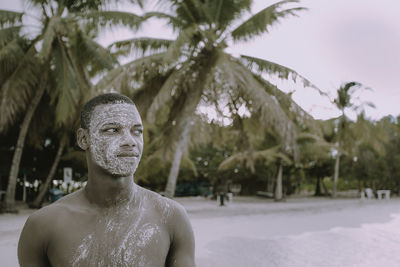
(173, 79)
(142, 45)
(260, 22)
(57, 66)
(9, 18)
(107, 19)
(17, 59)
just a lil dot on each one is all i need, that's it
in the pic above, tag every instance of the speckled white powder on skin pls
(82, 251)
(120, 238)
(106, 146)
(146, 233)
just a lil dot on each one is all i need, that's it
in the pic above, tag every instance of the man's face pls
(116, 140)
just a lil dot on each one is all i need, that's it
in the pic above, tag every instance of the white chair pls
(369, 193)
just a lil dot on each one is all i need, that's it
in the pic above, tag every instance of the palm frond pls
(264, 66)
(117, 77)
(296, 113)
(188, 10)
(15, 93)
(126, 47)
(172, 20)
(224, 12)
(267, 106)
(148, 86)
(177, 119)
(10, 54)
(8, 34)
(185, 86)
(95, 53)
(112, 19)
(217, 10)
(10, 17)
(260, 22)
(181, 43)
(167, 93)
(67, 87)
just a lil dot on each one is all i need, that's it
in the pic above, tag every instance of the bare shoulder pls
(169, 209)
(174, 216)
(57, 211)
(69, 202)
(39, 230)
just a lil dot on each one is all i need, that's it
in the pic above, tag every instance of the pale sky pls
(338, 41)
(335, 41)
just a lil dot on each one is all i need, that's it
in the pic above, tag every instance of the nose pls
(127, 139)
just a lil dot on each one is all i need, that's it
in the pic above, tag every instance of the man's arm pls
(32, 244)
(181, 252)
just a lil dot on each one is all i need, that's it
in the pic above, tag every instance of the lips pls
(128, 155)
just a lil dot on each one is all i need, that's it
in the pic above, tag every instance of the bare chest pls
(112, 239)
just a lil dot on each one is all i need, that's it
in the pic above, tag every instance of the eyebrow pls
(119, 124)
(111, 124)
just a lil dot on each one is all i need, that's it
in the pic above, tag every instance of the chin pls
(122, 172)
(121, 175)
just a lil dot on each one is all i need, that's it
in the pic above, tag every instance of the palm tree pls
(315, 151)
(343, 101)
(201, 71)
(62, 66)
(248, 134)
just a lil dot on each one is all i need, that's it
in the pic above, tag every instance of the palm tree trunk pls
(184, 121)
(326, 191)
(318, 187)
(9, 203)
(37, 203)
(278, 189)
(337, 160)
(336, 175)
(176, 162)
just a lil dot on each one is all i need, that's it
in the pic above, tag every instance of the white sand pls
(300, 232)
(260, 232)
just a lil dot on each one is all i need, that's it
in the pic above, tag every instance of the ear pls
(82, 138)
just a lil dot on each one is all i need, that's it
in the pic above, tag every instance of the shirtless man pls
(112, 221)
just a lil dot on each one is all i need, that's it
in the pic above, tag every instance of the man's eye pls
(111, 130)
(138, 131)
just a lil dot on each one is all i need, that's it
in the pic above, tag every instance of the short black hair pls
(110, 98)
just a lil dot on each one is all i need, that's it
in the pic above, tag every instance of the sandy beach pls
(254, 231)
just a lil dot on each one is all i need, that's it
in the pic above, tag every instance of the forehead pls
(115, 113)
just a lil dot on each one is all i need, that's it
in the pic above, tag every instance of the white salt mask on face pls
(116, 141)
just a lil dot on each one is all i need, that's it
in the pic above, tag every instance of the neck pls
(106, 191)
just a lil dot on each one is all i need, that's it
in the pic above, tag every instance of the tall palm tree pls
(344, 101)
(201, 71)
(62, 65)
